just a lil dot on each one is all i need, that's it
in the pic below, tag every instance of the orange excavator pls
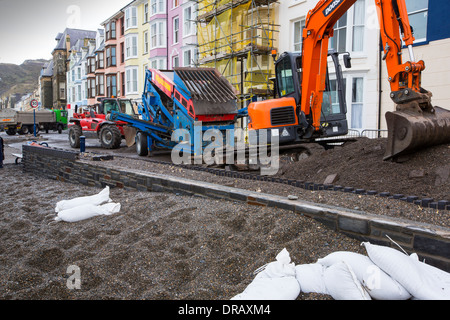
(310, 106)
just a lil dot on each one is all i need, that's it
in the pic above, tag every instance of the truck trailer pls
(22, 122)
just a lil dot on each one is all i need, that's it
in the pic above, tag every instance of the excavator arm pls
(416, 122)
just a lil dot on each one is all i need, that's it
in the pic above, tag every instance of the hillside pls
(20, 79)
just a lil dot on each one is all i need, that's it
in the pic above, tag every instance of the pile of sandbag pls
(385, 274)
(82, 208)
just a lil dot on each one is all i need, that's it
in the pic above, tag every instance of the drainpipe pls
(167, 35)
(380, 60)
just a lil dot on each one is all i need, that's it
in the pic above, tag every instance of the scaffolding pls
(237, 38)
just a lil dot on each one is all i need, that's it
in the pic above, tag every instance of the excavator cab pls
(283, 116)
(334, 107)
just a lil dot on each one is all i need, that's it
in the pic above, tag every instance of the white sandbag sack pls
(423, 282)
(375, 281)
(87, 211)
(97, 199)
(342, 284)
(310, 278)
(276, 282)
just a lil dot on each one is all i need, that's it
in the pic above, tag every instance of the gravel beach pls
(164, 246)
(160, 246)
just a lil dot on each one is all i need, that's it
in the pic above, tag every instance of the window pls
(339, 40)
(131, 18)
(145, 12)
(176, 3)
(100, 60)
(110, 30)
(349, 29)
(176, 29)
(122, 80)
(111, 57)
(357, 102)
(358, 25)
(91, 88)
(298, 34)
(330, 104)
(188, 27)
(79, 73)
(157, 6)
(107, 31)
(91, 65)
(111, 86)
(175, 62)
(131, 80)
(131, 46)
(113, 29)
(285, 79)
(122, 52)
(72, 90)
(158, 63)
(187, 58)
(79, 92)
(100, 83)
(145, 42)
(122, 26)
(418, 18)
(157, 34)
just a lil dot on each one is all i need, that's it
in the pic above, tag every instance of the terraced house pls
(114, 55)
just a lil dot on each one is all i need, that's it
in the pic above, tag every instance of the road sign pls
(34, 103)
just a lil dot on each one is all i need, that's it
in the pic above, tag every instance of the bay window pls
(130, 18)
(131, 50)
(131, 80)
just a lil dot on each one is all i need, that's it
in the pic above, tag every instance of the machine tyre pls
(75, 133)
(110, 137)
(141, 144)
(11, 131)
(23, 130)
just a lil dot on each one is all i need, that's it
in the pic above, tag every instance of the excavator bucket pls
(409, 130)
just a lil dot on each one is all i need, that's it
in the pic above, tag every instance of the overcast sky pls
(28, 27)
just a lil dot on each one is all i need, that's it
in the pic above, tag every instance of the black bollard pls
(2, 152)
(82, 144)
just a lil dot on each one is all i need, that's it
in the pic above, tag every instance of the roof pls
(75, 35)
(47, 69)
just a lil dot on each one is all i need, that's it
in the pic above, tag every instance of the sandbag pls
(87, 211)
(342, 284)
(276, 282)
(375, 281)
(310, 278)
(98, 199)
(423, 282)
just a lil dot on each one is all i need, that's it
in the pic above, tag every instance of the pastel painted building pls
(115, 55)
(95, 69)
(182, 33)
(131, 51)
(157, 33)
